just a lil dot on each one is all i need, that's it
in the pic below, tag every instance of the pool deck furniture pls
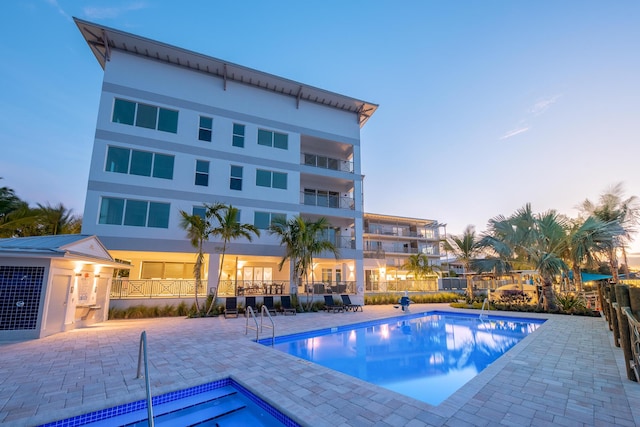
(568, 372)
(268, 302)
(231, 307)
(348, 305)
(330, 305)
(287, 308)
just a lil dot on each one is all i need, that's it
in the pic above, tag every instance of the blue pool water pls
(427, 356)
(223, 403)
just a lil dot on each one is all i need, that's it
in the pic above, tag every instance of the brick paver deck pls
(567, 373)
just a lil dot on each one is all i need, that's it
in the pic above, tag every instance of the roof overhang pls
(103, 40)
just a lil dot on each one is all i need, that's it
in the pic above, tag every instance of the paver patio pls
(566, 373)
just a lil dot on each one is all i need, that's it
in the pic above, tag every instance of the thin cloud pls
(515, 132)
(61, 11)
(543, 105)
(112, 12)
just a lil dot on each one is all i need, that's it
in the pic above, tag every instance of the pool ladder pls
(142, 356)
(485, 303)
(263, 313)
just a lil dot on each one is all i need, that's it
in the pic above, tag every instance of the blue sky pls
(484, 105)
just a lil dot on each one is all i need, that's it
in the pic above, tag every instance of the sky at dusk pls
(484, 105)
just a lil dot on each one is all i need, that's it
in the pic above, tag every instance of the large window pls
(273, 139)
(202, 172)
(167, 270)
(263, 220)
(143, 163)
(271, 179)
(145, 116)
(205, 131)
(235, 181)
(137, 213)
(201, 211)
(238, 135)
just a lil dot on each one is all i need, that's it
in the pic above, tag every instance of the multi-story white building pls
(389, 241)
(177, 129)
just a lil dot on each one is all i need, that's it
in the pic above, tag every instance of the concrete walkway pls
(567, 373)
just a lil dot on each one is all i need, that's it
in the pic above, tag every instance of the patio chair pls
(348, 305)
(250, 302)
(231, 307)
(268, 302)
(330, 304)
(287, 308)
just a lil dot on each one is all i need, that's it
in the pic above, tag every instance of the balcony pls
(325, 162)
(326, 199)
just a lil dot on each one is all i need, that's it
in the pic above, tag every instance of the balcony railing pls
(325, 162)
(404, 233)
(327, 201)
(155, 288)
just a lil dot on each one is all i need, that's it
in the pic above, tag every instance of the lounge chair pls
(348, 305)
(231, 307)
(287, 308)
(268, 302)
(330, 304)
(250, 302)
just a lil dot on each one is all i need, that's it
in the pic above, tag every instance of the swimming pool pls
(427, 356)
(224, 403)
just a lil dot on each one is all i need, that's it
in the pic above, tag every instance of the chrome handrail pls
(142, 355)
(253, 316)
(484, 303)
(273, 326)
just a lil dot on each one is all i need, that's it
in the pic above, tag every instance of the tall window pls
(238, 135)
(137, 213)
(271, 179)
(206, 129)
(144, 115)
(273, 139)
(202, 172)
(235, 181)
(143, 163)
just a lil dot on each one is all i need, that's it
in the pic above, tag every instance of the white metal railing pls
(142, 356)
(265, 312)
(252, 315)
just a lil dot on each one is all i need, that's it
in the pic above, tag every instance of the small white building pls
(51, 284)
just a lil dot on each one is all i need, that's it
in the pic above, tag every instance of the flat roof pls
(102, 40)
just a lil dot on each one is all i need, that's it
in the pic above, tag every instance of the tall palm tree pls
(587, 239)
(466, 248)
(198, 231)
(290, 234)
(229, 228)
(303, 240)
(612, 206)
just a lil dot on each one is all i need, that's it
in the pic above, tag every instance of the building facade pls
(389, 243)
(178, 129)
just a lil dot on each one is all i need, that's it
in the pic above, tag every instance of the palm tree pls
(466, 249)
(198, 231)
(587, 239)
(528, 241)
(613, 206)
(303, 240)
(8, 201)
(229, 228)
(58, 219)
